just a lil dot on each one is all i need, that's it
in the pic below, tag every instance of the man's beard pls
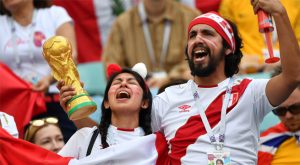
(201, 71)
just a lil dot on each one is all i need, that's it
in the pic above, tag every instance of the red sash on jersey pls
(194, 127)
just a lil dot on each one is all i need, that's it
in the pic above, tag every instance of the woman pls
(25, 25)
(126, 110)
(46, 133)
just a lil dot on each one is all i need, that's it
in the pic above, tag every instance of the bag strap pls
(92, 142)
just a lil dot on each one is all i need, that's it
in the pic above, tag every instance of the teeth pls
(199, 51)
(123, 94)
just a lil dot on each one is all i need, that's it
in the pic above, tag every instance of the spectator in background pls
(126, 111)
(93, 20)
(153, 32)
(254, 44)
(25, 25)
(280, 144)
(46, 133)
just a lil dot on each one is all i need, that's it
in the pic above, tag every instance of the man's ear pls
(106, 104)
(145, 104)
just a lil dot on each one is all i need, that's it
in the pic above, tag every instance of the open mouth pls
(200, 53)
(123, 95)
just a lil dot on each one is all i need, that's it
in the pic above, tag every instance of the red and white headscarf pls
(214, 20)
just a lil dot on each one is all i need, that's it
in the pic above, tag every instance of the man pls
(193, 116)
(280, 144)
(153, 33)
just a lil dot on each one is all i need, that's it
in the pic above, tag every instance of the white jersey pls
(22, 50)
(78, 144)
(174, 113)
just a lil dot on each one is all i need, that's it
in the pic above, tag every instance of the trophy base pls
(80, 106)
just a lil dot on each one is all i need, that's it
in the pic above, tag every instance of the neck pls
(23, 15)
(213, 79)
(128, 121)
(155, 8)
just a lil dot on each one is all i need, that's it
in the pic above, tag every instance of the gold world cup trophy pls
(58, 53)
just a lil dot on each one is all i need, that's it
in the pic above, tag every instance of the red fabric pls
(19, 152)
(89, 45)
(264, 158)
(17, 98)
(112, 68)
(207, 5)
(162, 149)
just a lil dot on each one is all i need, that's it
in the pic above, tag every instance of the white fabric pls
(242, 123)
(141, 151)
(8, 124)
(78, 144)
(47, 21)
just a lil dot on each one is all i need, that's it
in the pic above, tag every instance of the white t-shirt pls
(28, 42)
(175, 114)
(78, 144)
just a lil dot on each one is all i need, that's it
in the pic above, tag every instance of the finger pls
(60, 84)
(66, 89)
(82, 84)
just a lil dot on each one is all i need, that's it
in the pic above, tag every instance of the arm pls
(281, 86)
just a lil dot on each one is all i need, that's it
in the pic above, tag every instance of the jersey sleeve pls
(159, 106)
(60, 16)
(262, 105)
(73, 147)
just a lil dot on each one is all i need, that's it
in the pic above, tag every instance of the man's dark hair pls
(144, 115)
(232, 60)
(36, 3)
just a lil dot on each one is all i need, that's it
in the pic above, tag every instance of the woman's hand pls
(66, 93)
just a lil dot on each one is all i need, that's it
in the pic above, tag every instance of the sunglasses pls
(293, 109)
(35, 125)
(41, 122)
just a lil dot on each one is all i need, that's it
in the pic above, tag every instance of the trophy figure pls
(58, 53)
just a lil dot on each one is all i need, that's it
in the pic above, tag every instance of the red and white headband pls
(140, 68)
(214, 20)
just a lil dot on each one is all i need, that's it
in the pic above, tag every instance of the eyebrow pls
(128, 79)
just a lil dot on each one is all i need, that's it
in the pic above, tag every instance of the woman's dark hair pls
(36, 3)
(144, 114)
(232, 60)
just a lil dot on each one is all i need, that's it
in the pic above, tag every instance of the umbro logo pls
(184, 108)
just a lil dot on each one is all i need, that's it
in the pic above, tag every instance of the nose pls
(56, 146)
(123, 83)
(288, 115)
(199, 38)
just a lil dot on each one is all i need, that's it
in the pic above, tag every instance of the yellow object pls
(287, 153)
(241, 13)
(58, 53)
